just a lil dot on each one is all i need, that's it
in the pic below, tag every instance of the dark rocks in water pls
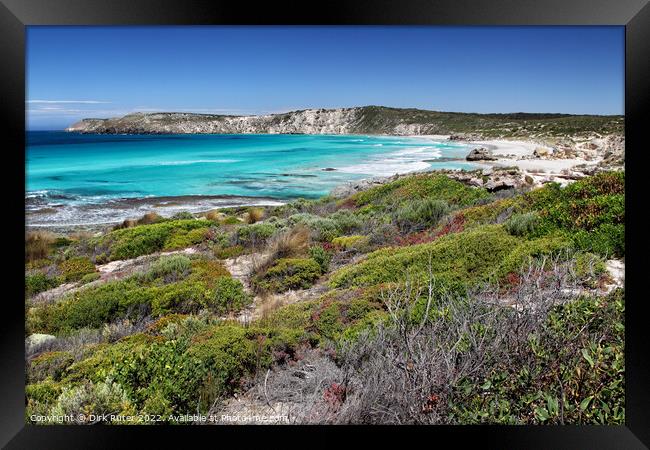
(298, 175)
(329, 169)
(480, 154)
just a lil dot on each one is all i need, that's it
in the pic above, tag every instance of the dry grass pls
(80, 235)
(149, 218)
(38, 245)
(215, 215)
(254, 215)
(269, 304)
(292, 242)
(128, 223)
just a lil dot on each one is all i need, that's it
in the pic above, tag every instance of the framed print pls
(385, 217)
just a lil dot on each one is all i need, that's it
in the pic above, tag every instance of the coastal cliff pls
(359, 120)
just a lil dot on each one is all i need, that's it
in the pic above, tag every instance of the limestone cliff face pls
(362, 120)
(312, 121)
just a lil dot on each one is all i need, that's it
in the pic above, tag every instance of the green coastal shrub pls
(39, 282)
(365, 324)
(100, 360)
(185, 238)
(591, 209)
(182, 215)
(62, 241)
(495, 212)
(169, 268)
(344, 314)
(295, 315)
(207, 271)
(230, 220)
(420, 214)
(106, 397)
(346, 221)
(255, 234)
(229, 295)
(522, 224)
(197, 364)
(589, 269)
(526, 251)
(184, 297)
(91, 307)
(323, 229)
(227, 252)
(476, 255)
(226, 354)
(421, 186)
(587, 386)
(186, 375)
(466, 257)
(48, 364)
(321, 256)
(589, 263)
(351, 242)
(145, 239)
(288, 273)
(41, 396)
(90, 277)
(221, 294)
(74, 269)
(607, 240)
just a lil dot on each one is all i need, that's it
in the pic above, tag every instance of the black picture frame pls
(15, 15)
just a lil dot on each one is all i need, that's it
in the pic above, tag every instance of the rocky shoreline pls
(522, 164)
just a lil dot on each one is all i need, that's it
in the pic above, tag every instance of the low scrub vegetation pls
(420, 214)
(74, 269)
(425, 186)
(39, 282)
(420, 301)
(477, 362)
(288, 273)
(147, 239)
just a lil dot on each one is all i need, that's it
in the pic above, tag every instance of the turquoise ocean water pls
(90, 179)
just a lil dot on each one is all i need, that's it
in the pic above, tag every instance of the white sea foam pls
(401, 161)
(385, 168)
(109, 213)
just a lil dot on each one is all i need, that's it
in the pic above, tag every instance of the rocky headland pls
(360, 120)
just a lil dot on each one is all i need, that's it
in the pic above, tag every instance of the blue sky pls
(76, 72)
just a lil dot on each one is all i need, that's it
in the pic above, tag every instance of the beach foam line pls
(386, 167)
(132, 208)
